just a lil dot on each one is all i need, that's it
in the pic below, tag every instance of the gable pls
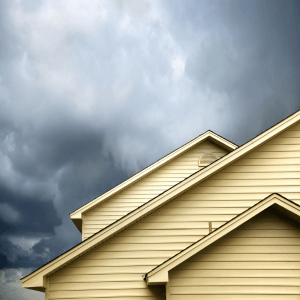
(77, 215)
(150, 186)
(291, 211)
(258, 259)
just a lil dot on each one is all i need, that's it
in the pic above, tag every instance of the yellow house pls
(208, 221)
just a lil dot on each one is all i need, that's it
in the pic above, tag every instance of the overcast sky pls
(93, 91)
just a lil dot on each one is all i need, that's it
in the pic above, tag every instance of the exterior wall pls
(113, 270)
(147, 188)
(274, 167)
(258, 260)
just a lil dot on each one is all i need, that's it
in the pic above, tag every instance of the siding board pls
(289, 281)
(235, 273)
(120, 277)
(239, 296)
(258, 176)
(116, 298)
(97, 285)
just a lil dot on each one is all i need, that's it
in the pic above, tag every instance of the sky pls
(93, 91)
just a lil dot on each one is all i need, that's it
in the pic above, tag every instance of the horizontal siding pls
(244, 272)
(109, 298)
(243, 184)
(223, 281)
(88, 293)
(234, 197)
(236, 273)
(147, 188)
(114, 270)
(242, 296)
(124, 258)
(148, 243)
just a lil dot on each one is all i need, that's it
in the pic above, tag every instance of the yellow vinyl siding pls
(47, 289)
(114, 269)
(172, 228)
(239, 267)
(243, 184)
(147, 188)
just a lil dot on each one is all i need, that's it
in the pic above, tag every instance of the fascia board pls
(163, 198)
(77, 214)
(160, 273)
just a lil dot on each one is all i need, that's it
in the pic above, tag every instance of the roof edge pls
(159, 275)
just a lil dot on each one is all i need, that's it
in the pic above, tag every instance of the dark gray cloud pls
(90, 93)
(245, 52)
(36, 215)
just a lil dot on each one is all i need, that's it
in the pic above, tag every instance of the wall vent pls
(206, 159)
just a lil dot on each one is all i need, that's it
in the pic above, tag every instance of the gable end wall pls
(147, 188)
(258, 260)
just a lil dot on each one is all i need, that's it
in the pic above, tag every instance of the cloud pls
(11, 286)
(8, 214)
(90, 93)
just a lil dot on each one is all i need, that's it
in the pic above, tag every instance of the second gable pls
(150, 186)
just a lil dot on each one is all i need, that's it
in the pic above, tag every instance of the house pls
(208, 221)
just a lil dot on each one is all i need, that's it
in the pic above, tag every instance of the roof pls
(36, 278)
(159, 275)
(76, 216)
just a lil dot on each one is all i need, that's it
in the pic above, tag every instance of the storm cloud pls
(92, 92)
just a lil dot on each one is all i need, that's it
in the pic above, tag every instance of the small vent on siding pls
(210, 227)
(206, 159)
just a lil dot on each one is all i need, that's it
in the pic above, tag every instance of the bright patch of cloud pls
(11, 286)
(178, 66)
(25, 243)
